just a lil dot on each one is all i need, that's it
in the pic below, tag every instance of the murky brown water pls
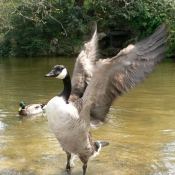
(140, 127)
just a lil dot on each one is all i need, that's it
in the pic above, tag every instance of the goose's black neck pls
(67, 88)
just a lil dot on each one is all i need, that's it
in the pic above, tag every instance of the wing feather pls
(114, 77)
(84, 67)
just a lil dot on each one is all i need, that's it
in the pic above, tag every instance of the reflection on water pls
(140, 126)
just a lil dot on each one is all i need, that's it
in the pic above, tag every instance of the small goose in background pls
(31, 109)
(94, 86)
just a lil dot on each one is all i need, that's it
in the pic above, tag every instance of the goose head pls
(59, 71)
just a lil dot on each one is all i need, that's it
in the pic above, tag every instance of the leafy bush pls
(29, 26)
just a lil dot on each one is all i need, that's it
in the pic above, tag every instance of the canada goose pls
(94, 86)
(31, 109)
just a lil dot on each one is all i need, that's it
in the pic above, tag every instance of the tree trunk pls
(79, 3)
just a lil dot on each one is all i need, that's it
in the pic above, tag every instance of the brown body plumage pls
(95, 84)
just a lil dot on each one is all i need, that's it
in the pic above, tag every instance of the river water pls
(140, 126)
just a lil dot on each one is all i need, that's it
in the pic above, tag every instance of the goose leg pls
(68, 160)
(84, 160)
(84, 169)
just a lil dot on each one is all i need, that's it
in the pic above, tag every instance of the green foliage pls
(34, 25)
(28, 27)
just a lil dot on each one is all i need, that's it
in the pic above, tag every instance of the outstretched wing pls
(113, 77)
(84, 67)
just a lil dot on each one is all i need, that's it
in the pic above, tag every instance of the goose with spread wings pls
(95, 84)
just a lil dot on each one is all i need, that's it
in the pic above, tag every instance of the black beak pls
(51, 74)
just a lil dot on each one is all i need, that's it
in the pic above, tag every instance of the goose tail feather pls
(99, 144)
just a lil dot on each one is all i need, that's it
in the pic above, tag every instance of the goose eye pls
(58, 68)
(61, 67)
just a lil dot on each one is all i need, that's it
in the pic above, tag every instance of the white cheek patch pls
(63, 74)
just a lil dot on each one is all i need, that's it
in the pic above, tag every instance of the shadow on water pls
(140, 126)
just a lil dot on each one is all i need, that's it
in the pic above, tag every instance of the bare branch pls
(59, 23)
